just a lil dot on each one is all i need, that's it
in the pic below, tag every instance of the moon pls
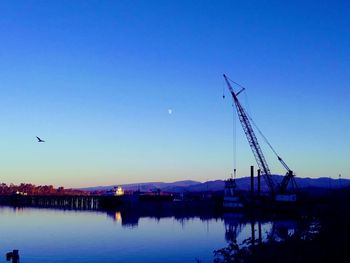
(170, 111)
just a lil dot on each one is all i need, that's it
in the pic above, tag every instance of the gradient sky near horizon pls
(131, 91)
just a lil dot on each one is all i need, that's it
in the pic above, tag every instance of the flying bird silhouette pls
(39, 140)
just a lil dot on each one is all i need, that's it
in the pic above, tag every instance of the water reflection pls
(233, 225)
(250, 231)
(267, 231)
(118, 216)
(127, 219)
(131, 217)
(238, 227)
(158, 234)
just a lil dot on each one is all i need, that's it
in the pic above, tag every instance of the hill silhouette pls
(243, 183)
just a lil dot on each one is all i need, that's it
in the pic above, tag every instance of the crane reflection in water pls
(238, 227)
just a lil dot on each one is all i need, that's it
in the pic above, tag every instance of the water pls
(49, 235)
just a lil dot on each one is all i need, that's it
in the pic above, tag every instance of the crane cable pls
(262, 135)
(254, 124)
(234, 136)
(234, 144)
(234, 82)
(223, 89)
(269, 144)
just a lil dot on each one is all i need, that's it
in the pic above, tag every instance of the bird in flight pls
(39, 140)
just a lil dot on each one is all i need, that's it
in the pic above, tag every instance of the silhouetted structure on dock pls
(13, 256)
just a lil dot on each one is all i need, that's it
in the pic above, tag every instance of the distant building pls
(116, 191)
(119, 191)
(20, 193)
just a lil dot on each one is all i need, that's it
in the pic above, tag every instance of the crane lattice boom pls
(251, 137)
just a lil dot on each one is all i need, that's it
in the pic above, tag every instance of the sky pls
(132, 91)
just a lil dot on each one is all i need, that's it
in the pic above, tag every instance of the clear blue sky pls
(95, 79)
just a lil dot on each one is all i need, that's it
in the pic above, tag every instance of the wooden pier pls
(64, 201)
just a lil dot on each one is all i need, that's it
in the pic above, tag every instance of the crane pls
(256, 149)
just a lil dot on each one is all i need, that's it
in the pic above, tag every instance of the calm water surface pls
(49, 235)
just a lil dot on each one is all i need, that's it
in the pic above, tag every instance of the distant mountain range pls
(218, 185)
